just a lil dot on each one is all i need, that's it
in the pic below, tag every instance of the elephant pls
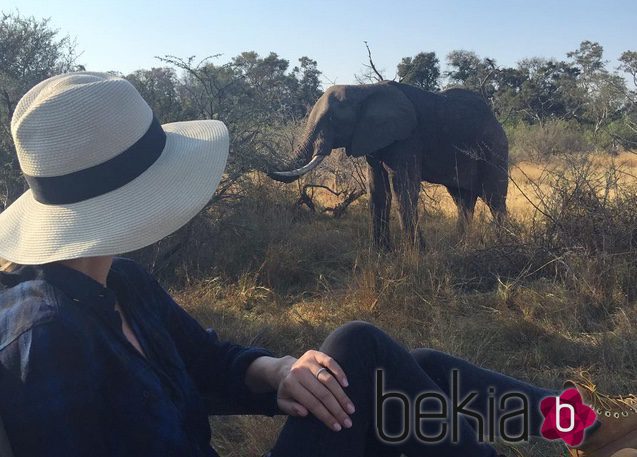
(409, 135)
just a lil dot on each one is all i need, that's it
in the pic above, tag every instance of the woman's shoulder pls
(132, 270)
(37, 332)
(127, 265)
(24, 306)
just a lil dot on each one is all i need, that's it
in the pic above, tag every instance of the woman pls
(97, 359)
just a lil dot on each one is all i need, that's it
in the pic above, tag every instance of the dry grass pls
(551, 294)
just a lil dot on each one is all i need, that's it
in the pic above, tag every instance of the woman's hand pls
(300, 391)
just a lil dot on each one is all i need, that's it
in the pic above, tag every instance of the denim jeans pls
(361, 348)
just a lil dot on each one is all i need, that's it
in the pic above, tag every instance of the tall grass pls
(551, 293)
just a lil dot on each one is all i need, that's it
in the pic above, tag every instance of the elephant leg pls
(465, 200)
(379, 202)
(497, 204)
(495, 172)
(405, 181)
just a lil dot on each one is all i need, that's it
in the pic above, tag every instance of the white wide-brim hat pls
(85, 128)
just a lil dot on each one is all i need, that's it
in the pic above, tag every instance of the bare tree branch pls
(379, 76)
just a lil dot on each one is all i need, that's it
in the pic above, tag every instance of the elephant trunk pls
(308, 155)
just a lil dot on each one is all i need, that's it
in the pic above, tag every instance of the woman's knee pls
(353, 332)
(435, 364)
(354, 339)
(428, 359)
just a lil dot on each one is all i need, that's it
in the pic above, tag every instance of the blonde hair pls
(7, 265)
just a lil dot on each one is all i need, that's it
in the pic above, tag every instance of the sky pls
(126, 35)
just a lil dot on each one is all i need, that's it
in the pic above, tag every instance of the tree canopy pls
(30, 51)
(423, 70)
(261, 98)
(581, 88)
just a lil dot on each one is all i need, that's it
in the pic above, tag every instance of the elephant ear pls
(386, 116)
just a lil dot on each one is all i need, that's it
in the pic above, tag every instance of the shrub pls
(591, 208)
(621, 133)
(539, 141)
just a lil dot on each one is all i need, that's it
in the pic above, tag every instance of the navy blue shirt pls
(71, 384)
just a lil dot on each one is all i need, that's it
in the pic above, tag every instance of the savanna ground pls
(547, 296)
(550, 294)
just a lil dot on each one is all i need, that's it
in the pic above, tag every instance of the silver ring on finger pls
(319, 372)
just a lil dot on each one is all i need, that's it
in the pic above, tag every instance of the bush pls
(591, 208)
(621, 133)
(539, 141)
(538, 298)
(587, 222)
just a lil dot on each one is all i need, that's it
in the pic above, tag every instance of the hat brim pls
(155, 204)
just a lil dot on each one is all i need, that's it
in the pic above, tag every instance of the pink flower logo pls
(566, 417)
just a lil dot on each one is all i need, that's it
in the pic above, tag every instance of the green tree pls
(160, 88)
(628, 64)
(270, 87)
(422, 70)
(548, 90)
(589, 59)
(625, 130)
(468, 70)
(628, 61)
(256, 97)
(605, 92)
(30, 51)
(308, 88)
(509, 83)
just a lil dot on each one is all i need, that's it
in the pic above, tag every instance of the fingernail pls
(350, 408)
(336, 427)
(345, 383)
(348, 423)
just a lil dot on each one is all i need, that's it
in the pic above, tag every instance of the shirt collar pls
(78, 286)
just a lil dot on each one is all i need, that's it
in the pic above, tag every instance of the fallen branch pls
(340, 209)
(337, 211)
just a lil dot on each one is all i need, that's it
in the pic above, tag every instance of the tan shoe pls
(626, 453)
(617, 431)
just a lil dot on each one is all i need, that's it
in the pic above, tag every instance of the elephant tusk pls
(316, 160)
